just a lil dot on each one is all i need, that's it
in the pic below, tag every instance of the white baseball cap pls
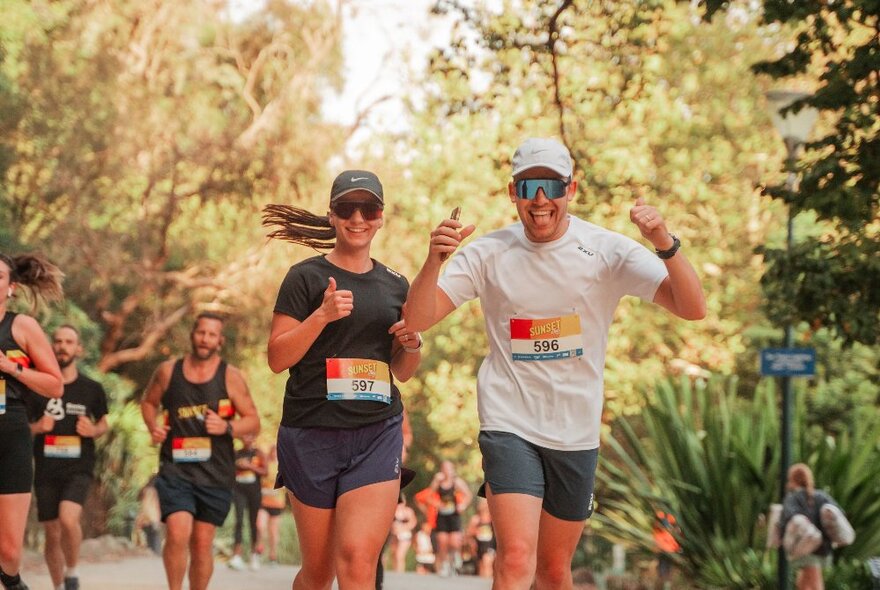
(538, 152)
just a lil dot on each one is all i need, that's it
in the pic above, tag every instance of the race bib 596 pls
(544, 339)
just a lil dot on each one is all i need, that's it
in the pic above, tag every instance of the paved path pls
(146, 573)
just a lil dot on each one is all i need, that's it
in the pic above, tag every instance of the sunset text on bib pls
(360, 379)
(545, 339)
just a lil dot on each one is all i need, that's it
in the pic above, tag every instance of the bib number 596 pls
(546, 345)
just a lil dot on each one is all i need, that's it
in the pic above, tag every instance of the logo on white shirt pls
(585, 251)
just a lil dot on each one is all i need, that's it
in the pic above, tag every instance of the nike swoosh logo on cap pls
(355, 179)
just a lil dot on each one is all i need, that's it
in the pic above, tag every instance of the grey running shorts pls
(564, 479)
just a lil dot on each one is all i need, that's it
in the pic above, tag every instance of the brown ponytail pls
(299, 226)
(801, 476)
(34, 272)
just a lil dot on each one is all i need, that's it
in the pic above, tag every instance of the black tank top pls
(447, 500)
(246, 477)
(189, 452)
(15, 389)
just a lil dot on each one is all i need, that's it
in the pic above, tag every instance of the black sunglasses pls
(369, 211)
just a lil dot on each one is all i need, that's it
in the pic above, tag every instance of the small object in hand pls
(454, 217)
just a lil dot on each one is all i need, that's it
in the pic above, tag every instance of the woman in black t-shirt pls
(338, 328)
(27, 367)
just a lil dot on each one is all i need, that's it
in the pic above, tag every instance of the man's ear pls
(572, 190)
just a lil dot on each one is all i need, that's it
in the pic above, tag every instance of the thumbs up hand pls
(337, 303)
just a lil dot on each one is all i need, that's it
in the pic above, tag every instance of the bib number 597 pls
(362, 385)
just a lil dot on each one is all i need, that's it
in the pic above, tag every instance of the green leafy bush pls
(712, 458)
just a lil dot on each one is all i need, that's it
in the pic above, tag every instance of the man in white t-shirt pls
(549, 286)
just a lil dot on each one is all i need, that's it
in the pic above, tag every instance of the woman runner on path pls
(338, 328)
(27, 367)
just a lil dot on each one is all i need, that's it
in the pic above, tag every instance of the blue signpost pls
(788, 362)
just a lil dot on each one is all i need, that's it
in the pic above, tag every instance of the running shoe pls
(71, 583)
(236, 563)
(255, 562)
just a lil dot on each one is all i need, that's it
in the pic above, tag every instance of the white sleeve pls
(463, 278)
(640, 272)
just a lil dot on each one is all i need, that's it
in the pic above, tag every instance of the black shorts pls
(206, 503)
(448, 523)
(73, 488)
(273, 511)
(16, 450)
(485, 548)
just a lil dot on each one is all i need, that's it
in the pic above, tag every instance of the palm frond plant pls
(712, 458)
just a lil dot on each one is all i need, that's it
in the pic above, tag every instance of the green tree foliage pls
(150, 136)
(711, 458)
(833, 279)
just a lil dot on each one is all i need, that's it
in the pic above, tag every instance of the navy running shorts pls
(318, 465)
(206, 503)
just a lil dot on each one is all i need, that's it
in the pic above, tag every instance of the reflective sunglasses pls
(553, 188)
(369, 211)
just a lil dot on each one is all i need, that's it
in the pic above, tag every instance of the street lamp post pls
(794, 127)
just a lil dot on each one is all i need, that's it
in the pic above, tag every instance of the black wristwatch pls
(229, 428)
(666, 254)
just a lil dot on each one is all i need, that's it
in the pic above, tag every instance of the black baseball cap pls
(356, 180)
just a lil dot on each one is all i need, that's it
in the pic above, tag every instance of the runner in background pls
(189, 408)
(273, 502)
(424, 547)
(27, 368)
(250, 467)
(481, 536)
(665, 545)
(64, 458)
(453, 497)
(149, 517)
(402, 529)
